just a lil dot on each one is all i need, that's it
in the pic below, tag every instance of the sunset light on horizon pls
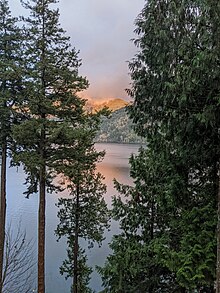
(102, 32)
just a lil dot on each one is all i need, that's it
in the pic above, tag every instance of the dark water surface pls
(114, 165)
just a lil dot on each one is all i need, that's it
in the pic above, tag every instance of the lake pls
(114, 165)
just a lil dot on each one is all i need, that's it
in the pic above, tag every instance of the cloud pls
(101, 30)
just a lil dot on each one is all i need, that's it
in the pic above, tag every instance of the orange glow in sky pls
(102, 32)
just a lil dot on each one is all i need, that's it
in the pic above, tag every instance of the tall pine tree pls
(51, 83)
(10, 90)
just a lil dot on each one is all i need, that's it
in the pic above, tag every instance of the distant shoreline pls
(119, 142)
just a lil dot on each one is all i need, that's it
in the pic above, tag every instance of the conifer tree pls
(134, 265)
(84, 215)
(10, 89)
(176, 98)
(176, 108)
(52, 106)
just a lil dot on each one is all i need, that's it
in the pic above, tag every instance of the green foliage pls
(167, 241)
(55, 135)
(11, 70)
(54, 112)
(91, 209)
(117, 128)
(176, 109)
(176, 90)
(83, 270)
(132, 268)
(84, 215)
(56, 139)
(134, 265)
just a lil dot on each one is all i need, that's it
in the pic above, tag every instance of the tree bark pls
(76, 244)
(2, 211)
(41, 214)
(41, 232)
(218, 238)
(42, 177)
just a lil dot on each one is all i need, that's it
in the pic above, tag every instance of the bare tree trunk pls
(3, 183)
(218, 238)
(76, 244)
(42, 200)
(41, 233)
(2, 210)
(41, 215)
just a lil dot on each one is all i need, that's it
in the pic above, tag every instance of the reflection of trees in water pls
(112, 168)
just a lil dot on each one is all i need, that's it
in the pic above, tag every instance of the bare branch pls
(19, 272)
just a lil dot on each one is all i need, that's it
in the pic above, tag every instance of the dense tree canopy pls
(176, 91)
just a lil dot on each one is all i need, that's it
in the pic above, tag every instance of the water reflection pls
(114, 165)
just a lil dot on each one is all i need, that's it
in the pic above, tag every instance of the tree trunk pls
(218, 238)
(2, 211)
(41, 233)
(41, 215)
(42, 179)
(76, 244)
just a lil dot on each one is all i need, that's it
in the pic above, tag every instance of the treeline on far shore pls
(117, 128)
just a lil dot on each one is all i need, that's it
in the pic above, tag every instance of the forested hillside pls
(117, 128)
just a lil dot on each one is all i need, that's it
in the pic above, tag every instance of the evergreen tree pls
(176, 86)
(134, 265)
(10, 89)
(176, 108)
(84, 215)
(52, 106)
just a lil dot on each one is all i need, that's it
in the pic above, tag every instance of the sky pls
(102, 31)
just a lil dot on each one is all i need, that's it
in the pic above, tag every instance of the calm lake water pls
(114, 165)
